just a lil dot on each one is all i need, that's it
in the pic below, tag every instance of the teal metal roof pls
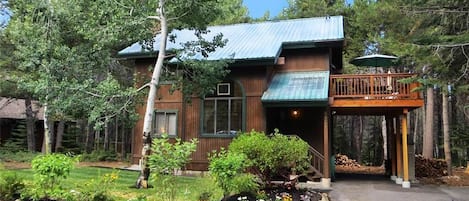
(256, 41)
(310, 87)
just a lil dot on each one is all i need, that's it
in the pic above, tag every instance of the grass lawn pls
(188, 188)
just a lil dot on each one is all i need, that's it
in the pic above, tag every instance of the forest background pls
(60, 52)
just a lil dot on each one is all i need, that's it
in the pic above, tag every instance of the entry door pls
(306, 122)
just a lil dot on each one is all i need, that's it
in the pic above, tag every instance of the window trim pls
(172, 111)
(243, 111)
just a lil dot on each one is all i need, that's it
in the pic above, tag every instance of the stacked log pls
(430, 167)
(344, 160)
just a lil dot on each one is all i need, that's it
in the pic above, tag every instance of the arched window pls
(223, 111)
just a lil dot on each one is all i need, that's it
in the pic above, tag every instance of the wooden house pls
(286, 75)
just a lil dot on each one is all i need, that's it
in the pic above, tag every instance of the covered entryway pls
(296, 103)
(305, 122)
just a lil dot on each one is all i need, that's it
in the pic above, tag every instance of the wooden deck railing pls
(372, 86)
(317, 160)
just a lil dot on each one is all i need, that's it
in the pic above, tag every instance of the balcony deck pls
(373, 93)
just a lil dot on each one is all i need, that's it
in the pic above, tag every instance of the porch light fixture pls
(295, 113)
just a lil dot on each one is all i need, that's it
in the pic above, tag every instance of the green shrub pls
(165, 158)
(245, 183)
(205, 196)
(17, 156)
(272, 155)
(228, 170)
(10, 185)
(99, 155)
(49, 171)
(17, 141)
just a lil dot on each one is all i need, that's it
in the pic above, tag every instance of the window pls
(222, 114)
(165, 122)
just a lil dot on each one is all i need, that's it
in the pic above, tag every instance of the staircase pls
(316, 169)
(317, 163)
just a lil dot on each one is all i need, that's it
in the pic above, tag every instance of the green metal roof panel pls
(309, 86)
(261, 40)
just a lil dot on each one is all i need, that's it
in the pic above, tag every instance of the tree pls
(446, 136)
(9, 87)
(428, 134)
(64, 51)
(202, 74)
(232, 12)
(438, 39)
(309, 8)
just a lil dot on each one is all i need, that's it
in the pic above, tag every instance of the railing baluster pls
(373, 86)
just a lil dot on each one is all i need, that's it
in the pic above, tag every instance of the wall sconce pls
(295, 113)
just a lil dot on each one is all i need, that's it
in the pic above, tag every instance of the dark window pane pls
(236, 116)
(222, 116)
(209, 116)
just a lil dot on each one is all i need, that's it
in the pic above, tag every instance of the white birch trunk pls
(142, 181)
(385, 139)
(46, 142)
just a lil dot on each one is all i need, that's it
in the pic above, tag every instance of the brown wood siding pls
(305, 60)
(254, 84)
(164, 101)
(206, 145)
(254, 80)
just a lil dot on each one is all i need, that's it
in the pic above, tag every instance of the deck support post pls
(391, 146)
(405, 154)
(326, 180)
(398, 151)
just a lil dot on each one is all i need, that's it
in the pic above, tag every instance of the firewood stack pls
(344, 160)
(430, 167)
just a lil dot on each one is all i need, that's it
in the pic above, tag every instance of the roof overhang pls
(299, 89)
(254, 41)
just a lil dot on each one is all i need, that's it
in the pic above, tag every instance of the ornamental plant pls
(272, 155)
(49, 172)
(228, 170)
(11, 185)
(167, 157)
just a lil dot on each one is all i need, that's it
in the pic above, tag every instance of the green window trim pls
(221, 98)
(166, 113)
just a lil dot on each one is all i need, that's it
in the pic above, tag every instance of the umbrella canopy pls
(374, 60)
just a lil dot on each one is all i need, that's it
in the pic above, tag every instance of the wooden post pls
(405, 153)
(392, 145)
(398, 150)
(327, 156)
(326, 180)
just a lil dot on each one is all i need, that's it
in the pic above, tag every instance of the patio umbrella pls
(377, 60)
(374, 60)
